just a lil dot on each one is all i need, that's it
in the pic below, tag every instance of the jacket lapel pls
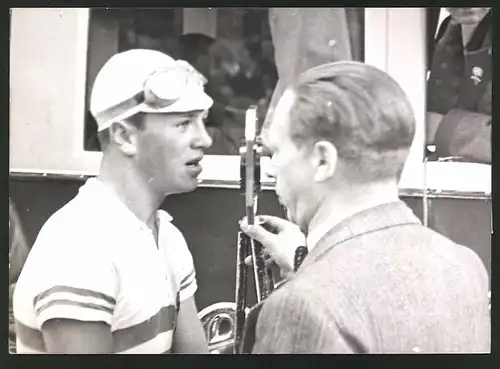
(367, 221)
(481, 37)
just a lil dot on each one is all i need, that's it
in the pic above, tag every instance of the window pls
(63, 60)
(115, 30)
(232, 47)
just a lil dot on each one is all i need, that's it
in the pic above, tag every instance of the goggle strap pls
(120, 108)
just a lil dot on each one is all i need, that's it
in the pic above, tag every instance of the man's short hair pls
(361, 110)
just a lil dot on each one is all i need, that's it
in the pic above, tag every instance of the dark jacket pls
(460, 88)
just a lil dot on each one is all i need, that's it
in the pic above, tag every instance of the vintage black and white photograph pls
(250, 180)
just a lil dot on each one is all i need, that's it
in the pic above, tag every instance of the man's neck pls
(338, 206)
(131, 190)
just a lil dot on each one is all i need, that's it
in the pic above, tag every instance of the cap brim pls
(191, 102)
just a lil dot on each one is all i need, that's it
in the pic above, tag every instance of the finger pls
(257, 233)
(248, 260)
(286, 273)
(243, 221)
(257, 221)
(275, 222)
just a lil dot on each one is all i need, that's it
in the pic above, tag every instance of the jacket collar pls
(481, 36)
(367, 221)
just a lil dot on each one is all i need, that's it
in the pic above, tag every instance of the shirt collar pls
(385, 215)
(318, 232)
(108, 199)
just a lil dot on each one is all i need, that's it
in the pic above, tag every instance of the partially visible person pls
(375, 280)
(459, 92)
(123, 280)
(195, 49)
(306, 37)
(238, 78)
(18, 252)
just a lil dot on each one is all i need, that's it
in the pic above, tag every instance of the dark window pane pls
(233, 47)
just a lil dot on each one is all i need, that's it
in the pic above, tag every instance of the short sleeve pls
(186, 273)
(183, 265)
(77, 280)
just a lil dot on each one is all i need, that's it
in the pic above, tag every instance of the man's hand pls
(279, 237)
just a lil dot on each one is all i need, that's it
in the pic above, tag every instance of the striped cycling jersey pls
(95, 261)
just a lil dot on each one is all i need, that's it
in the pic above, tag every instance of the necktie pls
(300, 254)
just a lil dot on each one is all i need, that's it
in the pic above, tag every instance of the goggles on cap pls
(161, 89)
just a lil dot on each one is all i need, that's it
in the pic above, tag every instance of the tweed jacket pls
(380, 282)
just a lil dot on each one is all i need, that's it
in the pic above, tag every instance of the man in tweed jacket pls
(375, 279)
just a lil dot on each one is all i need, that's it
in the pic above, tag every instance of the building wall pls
(208, 218)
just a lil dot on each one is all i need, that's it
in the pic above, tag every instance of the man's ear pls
(124, 136)
(325, 160)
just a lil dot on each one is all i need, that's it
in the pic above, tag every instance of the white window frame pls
(46, 126)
